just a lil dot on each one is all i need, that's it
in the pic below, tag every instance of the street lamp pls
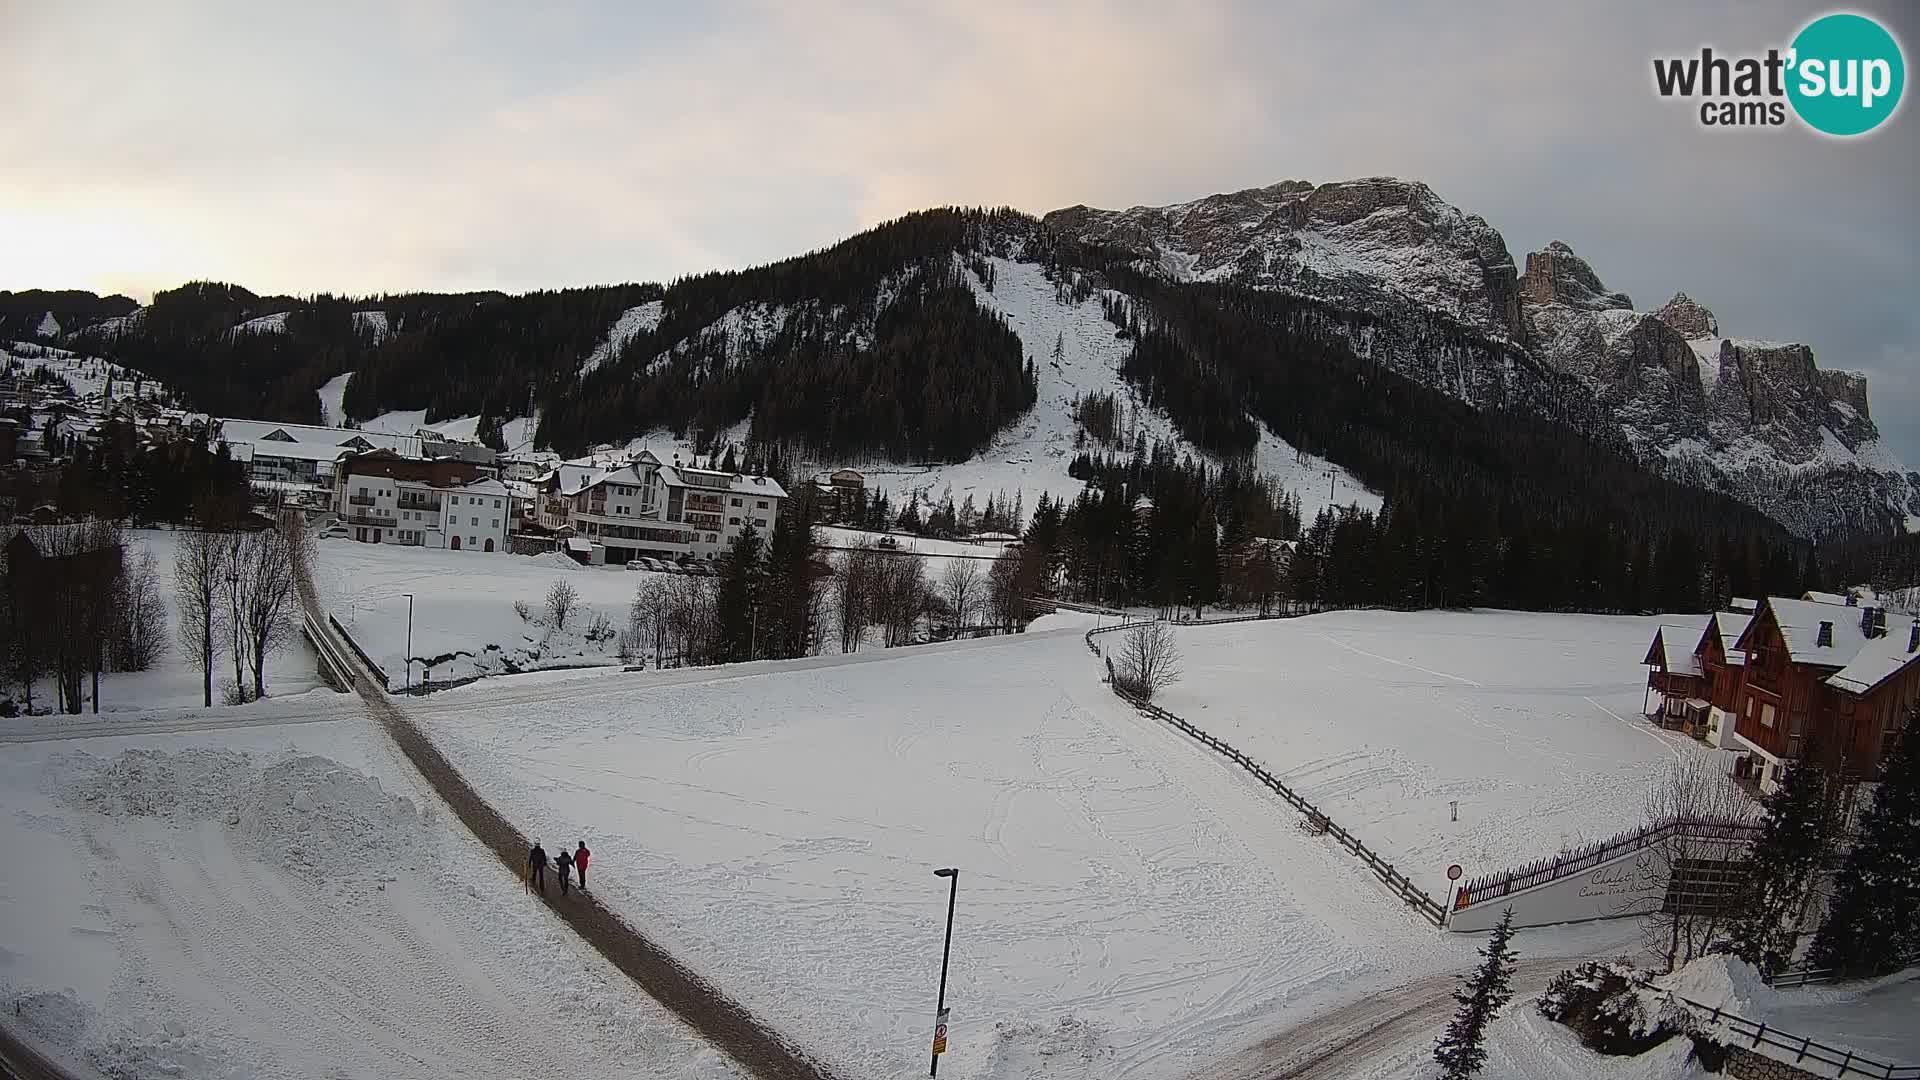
(409, 597)
(952, 875)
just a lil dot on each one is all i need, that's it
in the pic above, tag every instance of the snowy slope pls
(49, 326)
(332, 392)
(87, 375)
(1129, 906)
(291, 902)
(1529, 722)
(275, 323)
(633, 321)
(375, 322)
(1031, 456)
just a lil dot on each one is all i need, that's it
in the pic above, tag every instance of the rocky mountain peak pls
(1558, 276)
(1686, 315)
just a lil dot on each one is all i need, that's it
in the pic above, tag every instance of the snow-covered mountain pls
(1757, 420)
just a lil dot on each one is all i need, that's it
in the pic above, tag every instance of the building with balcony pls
(645, 508)
(384, 498)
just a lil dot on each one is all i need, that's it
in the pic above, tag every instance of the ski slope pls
(1128, 905)
(1031, 456)
(290, 903)
(1530, 722)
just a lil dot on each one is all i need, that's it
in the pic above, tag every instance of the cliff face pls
(1759, 420)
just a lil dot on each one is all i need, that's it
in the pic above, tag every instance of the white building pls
(387, 499)
(646, 508)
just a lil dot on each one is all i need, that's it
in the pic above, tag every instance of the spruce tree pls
(1795, 842)
(1873, 923)
(739, 594)
(1461, 1050)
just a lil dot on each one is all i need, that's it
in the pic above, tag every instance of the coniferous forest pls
(878, 347)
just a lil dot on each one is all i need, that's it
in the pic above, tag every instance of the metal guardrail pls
(1579, 860)
(359, 652)
(1804, 1049)
(1430, 909)
(1788, 978)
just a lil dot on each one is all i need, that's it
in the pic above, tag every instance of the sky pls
(434, 144)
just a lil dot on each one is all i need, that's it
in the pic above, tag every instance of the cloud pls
(425, 144)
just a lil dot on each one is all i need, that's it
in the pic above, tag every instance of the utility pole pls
(409, 597)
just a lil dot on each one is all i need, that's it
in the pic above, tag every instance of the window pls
(363, 491)
(472, 541)
(736, 502)
(475, 522)
(1766, 716)
(761, 505)
(496, 523)
(456, 500)
(733, 520)
(760, 523)
(496, 504)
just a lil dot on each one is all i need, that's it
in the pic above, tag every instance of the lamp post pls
(409, 597)
(952, 875)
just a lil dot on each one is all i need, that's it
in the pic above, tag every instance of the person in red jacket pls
(580, 857)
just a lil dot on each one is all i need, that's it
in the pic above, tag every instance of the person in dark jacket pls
(537, 869)
(561, 864)
(580, 857)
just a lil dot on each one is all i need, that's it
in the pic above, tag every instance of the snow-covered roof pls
(488, 486)
(762, 487)
(1812, 596)
(1730, 625)
(1676, 645)
(1741, 603)
(1878, 660)
(236, 430)
(1800, 621)
(296, 451)
(580, 544)
(571, 478)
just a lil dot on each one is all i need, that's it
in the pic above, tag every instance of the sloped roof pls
(1730, 625)
(764, 487)
(1815, 597)
(1877, 661)
(1799, 622)
(237, 430)
(1671, 649)
(487, 486)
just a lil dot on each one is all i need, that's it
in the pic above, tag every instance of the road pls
(1342, 1042)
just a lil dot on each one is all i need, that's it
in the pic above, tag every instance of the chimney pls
(1826, 635)
(1873, 622)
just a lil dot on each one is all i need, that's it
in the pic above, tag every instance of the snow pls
(1707, 351)
(1031, 456)
(1530, 722)
(464, 623)
(175, 681)
(275, 323)
(87, 375)
(374, 321)
(49, 326)
(517, 432)
(632, 322)
(1127, 907)
(1523, 1045)
(1873, 1018)
(332, 393)
(289, 902)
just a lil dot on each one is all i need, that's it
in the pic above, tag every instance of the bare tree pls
(901, 597)
(140, 632)
(1693, 882)
(199, 561)
(1008, 582)
(1149, 660)
(69, 595)
(561, 600)
(263, 567)
(960, 586)
(853, 585)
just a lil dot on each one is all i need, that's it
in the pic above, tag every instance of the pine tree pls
(1461, 1050)
(1797, 838)
(1873, 923)
(736, 608)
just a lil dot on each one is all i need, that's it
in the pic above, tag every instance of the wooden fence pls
(1803, 1049)
(1581, 859)
(1428, 908)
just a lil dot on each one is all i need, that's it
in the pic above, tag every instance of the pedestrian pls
(537, 868)
(580, 858)
(561, 864)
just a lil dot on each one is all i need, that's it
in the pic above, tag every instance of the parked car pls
(638, 564)
(889, 542)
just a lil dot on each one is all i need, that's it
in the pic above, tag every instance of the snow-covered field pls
(290, 902)
(175, 681)
(464, 622)
(88, 375)
(1530, 722)
(1128, 905)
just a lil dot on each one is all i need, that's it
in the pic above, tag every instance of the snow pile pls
(310, 815)
(1070, 1049)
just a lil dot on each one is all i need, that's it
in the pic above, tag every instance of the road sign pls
(940, 1033)
(1453, 872)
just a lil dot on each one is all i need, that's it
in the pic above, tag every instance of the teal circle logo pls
(1847, 74)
